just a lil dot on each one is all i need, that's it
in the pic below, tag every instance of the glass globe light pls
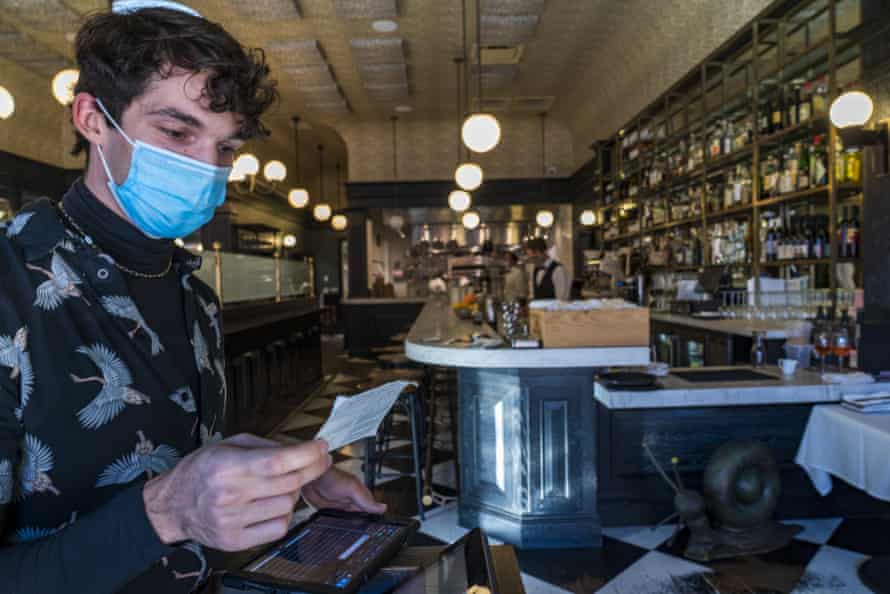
(471, 220)
(7, 104)
(63, 85)
(246, 164)
(322, 212)
(588, 218)
(481, 132)
(298, 198)
(853, 108)
(468, 176)
(339, 222)
(545, 219)
(289, 240)
(274, 171)
(459, 201)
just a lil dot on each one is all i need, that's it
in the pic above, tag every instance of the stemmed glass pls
(822, 343)
(840, 345)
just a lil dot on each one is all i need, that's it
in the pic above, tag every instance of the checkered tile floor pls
(634, 559)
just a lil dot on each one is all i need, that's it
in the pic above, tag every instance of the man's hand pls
(235, 494)
(341, 490)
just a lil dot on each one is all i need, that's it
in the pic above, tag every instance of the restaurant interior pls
(683, 394)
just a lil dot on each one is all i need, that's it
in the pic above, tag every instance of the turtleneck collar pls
(114, 235)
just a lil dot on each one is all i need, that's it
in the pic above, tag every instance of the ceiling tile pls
(378, 51)
(315, 75)
(506, 7)
(268, 10)
(321, 94)
(295, 52)
(508, 30)
(384, 73)
(366, 9)
(41, 15)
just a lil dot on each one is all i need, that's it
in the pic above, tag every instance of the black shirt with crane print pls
(92, 405)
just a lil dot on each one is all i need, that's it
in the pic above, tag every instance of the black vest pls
(546, 289)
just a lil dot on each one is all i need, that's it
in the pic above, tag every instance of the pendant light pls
(459, 201)
(274, 171)
(544, 218)
(587, 218)
(468, 175)
(7, 104)
(298, 197)
(471, 220)
(339, 222)
(63, 85)
(322, 211)
(481, 131)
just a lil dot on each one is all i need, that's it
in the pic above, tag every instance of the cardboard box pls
(595, 328)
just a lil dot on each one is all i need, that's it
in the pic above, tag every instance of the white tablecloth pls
(849, 445)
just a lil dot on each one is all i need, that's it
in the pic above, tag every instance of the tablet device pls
(333, 552)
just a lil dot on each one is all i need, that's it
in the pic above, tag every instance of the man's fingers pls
(262, 533)
(276, 461)
(265, 509)
(276, 485)
(248, 440)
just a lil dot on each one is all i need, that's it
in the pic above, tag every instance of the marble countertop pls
(772, 330)
(438, 321)
(382, 300)
(804, 387)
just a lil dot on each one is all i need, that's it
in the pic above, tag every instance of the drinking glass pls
(822, 344)
(840, 345)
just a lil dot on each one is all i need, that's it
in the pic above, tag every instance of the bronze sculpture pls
(734, 516)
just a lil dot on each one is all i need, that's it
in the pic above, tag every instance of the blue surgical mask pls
(166, 195)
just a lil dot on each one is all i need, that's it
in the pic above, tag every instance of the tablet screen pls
(330, 550)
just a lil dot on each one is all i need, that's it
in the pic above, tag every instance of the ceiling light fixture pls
(63, 85)
(459, 201)
(481, 131)
(467, 175)
(545, 219)
(7, 104)
(274, 171)
(298, 197)
(322, 211)
(289, 240)
(587, 218)
(339, 222)
(385, 26)
(471, 220)
(853, 108)
(245, 165)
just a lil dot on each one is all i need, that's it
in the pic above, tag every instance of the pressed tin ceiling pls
(593, 62)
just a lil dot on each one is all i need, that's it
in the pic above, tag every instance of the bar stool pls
(294, 358)
(377, 448)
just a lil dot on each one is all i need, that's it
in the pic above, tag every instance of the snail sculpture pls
(734, 514)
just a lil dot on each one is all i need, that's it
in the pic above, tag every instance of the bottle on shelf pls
(820, 97)
(776, 112)
(853, 234)
(842, 235)
(852, 166)
(769, 185)
(805, 107)
(818, 163)
(794, 102)
(728, 137)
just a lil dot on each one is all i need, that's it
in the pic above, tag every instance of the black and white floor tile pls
(822, 559)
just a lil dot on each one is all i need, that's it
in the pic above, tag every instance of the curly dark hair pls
(119, 55)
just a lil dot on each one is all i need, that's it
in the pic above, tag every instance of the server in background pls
(515, 280)
(551, 279)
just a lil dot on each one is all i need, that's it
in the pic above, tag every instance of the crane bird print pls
(146, 459)
(116, 392)
(14, 354)
(7, 482)
(17, 225)
(211, 310)
(202, 353)
(61, 285)
(33, 472)
(185, 399)
(31, 533)
(124, 307)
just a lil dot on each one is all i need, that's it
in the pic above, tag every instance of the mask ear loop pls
(99, 147)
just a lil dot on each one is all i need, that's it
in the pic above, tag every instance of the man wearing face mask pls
(114, 474)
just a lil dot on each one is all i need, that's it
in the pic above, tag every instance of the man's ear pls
(88, 119)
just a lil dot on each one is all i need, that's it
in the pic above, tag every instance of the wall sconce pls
(850, 113)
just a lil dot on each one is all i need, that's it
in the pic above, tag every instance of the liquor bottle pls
(728, 136)
(803, 169)
(852, 166)
(853, 232)
(770, 176)
(811, 240)
(819, 244)
(794, 103)
(842, 235)
(805, 108)
(820, 97)
(776, 112)
(763, 124)
(818, 163)
(715, 144)
(728, 191)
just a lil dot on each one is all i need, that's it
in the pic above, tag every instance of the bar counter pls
(769, 329)
(526, 446)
